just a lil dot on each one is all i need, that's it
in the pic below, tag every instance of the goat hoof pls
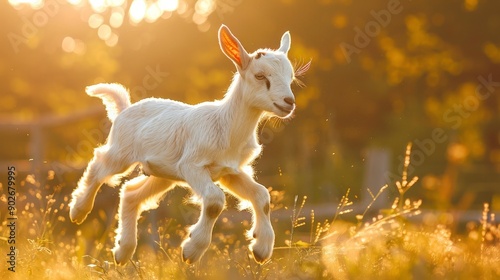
(193, 250)
(189, 259)
(262, 248)
(186, 259)
(259, 258)
(77, 216)
(122, 253)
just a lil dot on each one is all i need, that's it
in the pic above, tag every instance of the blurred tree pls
(383, 73)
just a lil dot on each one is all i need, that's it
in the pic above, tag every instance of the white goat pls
(195, 146)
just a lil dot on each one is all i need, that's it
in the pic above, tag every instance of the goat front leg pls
(137, 195)
(262, 234)
(213, 201)
(100, 168)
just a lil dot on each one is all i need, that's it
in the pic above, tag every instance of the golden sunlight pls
(75, 2)
(168, 5)
(72, 45)
(98, 6)
(153, 13)
(95, 20)
(68, 44)
(116, 18)
(470, 5)
(150, 11)
(137, 11)
(34, 4)
(109, 15)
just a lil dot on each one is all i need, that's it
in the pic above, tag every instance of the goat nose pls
(289, 100)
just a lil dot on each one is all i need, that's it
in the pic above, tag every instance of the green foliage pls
(403, 82)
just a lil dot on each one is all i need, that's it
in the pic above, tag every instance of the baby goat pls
(195, 146)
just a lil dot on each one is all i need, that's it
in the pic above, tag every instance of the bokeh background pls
(384, 73)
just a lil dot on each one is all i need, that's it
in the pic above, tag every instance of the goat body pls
(164, 135)
(192, 145)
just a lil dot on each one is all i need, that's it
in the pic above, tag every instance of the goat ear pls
(232, 48)
(285, 43)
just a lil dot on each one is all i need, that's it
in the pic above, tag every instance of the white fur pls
(198, 145)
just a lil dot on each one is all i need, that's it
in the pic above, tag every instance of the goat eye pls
(260, 76)
(263, 77)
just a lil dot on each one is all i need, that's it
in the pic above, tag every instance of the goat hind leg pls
(137, 195)
(213, 201)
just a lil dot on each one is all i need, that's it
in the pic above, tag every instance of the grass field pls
(385, 246)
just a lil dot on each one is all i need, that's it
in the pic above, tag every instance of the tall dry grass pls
(389, 245)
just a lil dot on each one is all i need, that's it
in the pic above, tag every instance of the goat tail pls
(115, 97)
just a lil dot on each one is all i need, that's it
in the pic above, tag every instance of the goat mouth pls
(284, 110)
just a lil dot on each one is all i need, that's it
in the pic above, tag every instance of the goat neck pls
(241, 118)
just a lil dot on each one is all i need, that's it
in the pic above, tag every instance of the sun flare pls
(107, 17)
(137, 10)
